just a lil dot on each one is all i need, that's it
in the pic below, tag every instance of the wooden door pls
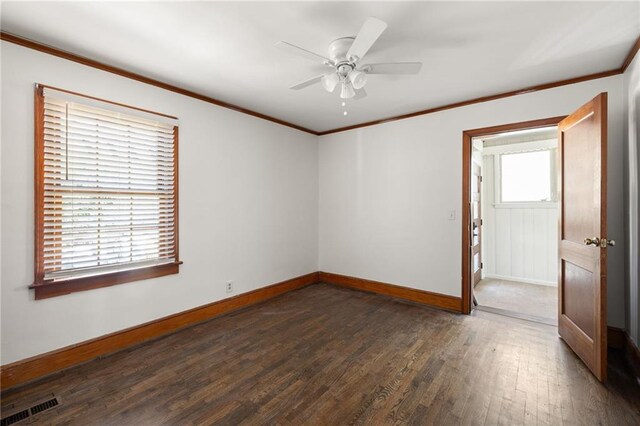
(476, 222)
(582, 233)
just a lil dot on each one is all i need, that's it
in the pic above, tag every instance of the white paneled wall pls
(518, 242)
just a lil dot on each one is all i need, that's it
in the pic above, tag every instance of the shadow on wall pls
(636, 238)
(636, 130)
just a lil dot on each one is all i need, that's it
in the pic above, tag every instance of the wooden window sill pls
(44, 290)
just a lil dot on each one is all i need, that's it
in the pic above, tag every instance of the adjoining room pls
(518, 224)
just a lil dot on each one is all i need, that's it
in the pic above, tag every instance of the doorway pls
(515, 223)
(472, 199)
(581, 173)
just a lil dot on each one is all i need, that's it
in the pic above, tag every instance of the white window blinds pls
(109, 188)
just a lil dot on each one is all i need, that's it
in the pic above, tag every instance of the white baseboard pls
(521, 280)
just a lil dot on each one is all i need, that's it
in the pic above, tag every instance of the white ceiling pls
(225, 50)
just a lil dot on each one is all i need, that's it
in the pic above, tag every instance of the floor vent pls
(14, 418)
(43, 406)
(25, 414)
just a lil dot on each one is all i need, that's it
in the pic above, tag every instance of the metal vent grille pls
(32, 411)
(14, 418)
(44, 406)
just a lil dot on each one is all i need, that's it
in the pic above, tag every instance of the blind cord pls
(66, 141)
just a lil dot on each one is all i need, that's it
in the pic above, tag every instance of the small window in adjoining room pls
(106, 193)
(526, 177)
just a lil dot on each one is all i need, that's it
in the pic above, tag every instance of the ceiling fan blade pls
(369, 33)
(360, 93)
(290, 48)
(393, 68)
(306, 83)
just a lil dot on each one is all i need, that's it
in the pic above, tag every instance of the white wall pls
(519, 243)
(632, 185)
(248, 209)
(385, 190)
(251, 200)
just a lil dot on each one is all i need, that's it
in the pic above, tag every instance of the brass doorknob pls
(595, 241)
(599, 242)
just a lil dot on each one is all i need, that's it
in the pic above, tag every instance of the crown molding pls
(478, 100)
(632, 54)
(138, 77)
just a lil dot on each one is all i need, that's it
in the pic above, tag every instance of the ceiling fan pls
(344, 57)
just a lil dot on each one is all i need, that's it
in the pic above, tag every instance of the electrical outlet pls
(229, 286)
(452, 215)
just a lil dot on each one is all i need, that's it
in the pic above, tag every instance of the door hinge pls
(480, 178)
(480, 222)
(481, 265)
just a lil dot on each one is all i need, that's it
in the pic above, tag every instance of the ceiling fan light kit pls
(330, 81)
(347, 91)
(344, 56)
(358, 79)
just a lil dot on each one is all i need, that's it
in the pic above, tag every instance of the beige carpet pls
(529, 299)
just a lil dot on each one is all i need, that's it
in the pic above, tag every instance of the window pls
(106, 193)
(526, 176)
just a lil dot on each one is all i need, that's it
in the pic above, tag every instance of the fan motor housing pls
(338, 50)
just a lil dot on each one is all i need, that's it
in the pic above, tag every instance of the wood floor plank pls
(330, 355)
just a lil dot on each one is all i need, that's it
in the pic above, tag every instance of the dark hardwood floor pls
(328, 355)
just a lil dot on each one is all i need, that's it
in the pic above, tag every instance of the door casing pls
(467, 137)
(476, 225)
